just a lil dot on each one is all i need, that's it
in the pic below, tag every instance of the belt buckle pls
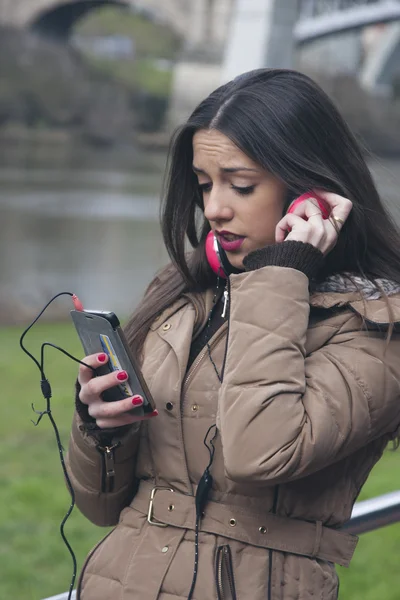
(150, 510)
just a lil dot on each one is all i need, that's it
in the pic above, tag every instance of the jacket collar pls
(378, 311)
(168, 313)
(381, 312)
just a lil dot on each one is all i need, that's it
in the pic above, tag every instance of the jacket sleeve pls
(87, 468)
(104, 482)
(283, 415)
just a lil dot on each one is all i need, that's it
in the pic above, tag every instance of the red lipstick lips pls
(230, 242)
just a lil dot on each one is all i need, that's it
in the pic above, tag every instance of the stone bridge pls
(62, 14)
(195, 21)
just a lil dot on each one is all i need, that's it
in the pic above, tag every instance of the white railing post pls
(261, 36)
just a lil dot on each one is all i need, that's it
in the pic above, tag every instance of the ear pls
(290, 196)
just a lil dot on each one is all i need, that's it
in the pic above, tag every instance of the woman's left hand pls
(306, 224)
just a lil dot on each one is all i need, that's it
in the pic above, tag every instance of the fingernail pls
(102, 357)
(154, 413)
(137, 401)
(122, 376)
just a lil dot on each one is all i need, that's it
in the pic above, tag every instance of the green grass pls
(33, 499)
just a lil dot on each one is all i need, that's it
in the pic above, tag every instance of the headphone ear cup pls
(323, 206)
(212, 253)
(217, 258)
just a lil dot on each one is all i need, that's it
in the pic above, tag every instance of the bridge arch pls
(58, 21)
(56, 18)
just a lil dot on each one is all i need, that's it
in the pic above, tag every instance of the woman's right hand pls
(106, 414)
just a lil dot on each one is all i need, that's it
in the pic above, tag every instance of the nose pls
(217, 207)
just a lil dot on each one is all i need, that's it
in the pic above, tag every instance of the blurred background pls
(90, 91)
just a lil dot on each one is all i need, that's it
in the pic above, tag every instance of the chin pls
(236, 259)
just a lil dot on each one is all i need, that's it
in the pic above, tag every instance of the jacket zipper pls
(107, 467)
(184, 386)
(214, 340)
(226, 300)
(211, 343)
(186, 380)
(270, 553)
(227, 309)
(224, 566)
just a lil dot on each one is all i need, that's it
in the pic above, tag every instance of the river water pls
(75, 219)
(81, 222)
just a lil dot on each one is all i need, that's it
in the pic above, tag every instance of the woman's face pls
(242, 202)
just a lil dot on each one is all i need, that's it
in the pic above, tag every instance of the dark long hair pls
(284, 122)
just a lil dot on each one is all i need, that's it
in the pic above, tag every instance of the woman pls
(290, 378)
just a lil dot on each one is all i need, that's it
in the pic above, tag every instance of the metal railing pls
(315, 8)
(318, 18)
(366, 516)
(375, 513)
(63, 596)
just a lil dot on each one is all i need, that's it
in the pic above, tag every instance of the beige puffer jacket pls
(308, 402)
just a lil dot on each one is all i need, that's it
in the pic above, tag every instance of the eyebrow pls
(227, 170)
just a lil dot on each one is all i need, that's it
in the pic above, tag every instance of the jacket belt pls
(265, 530)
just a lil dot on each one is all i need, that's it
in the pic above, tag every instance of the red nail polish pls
(122, 376)
(154, 413)
(137, 401)
(102, 357)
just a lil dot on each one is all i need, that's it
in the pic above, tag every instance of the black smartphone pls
(100, 331)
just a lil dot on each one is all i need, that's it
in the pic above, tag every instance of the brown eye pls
(244, 191)
(205, 187)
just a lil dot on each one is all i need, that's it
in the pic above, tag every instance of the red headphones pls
(323, 206)
(216, 256)
(213, 254)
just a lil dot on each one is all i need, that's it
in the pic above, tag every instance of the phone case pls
(101, 332)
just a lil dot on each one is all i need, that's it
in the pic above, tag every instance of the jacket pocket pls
(86, 562)
(225, 579)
